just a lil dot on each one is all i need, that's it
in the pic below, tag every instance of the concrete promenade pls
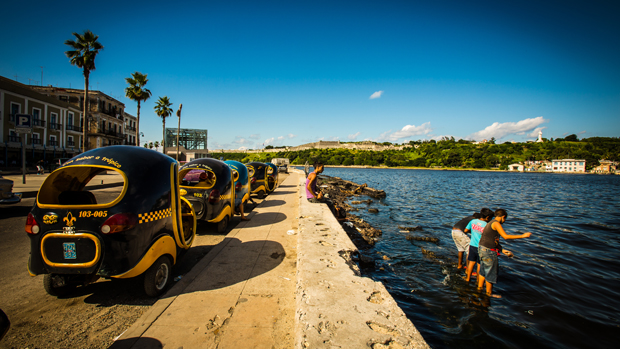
(285, 279)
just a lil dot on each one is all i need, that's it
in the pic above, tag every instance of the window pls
(36, 114)
(70, 120)
(36, 139)
(70, 142)
(15, 109)
(53, 124)
(53, 141)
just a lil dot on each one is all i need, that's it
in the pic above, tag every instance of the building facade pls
(56, 125)
(605, 166)
(569, 165)
(106, 124)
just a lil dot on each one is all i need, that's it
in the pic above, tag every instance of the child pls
(476, 227)
(460, 239)
(489, 249)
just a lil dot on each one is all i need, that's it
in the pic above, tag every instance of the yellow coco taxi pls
(77, 235)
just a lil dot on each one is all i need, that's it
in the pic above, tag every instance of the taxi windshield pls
(198, 178)
(69, 186)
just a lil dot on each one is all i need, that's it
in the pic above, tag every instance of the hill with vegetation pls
(449, 153)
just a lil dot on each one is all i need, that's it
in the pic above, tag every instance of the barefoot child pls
(489, 249)
(460, 239)
(476, 227)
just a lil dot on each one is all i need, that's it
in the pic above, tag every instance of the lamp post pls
(179, 128)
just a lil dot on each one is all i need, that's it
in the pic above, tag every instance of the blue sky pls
(291, 72)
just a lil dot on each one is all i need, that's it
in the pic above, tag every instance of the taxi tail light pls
(214, 196)
(253, 180)
(32, 227)
(119, 222)
(238, 186)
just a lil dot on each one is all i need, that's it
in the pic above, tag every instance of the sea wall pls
(336, 306)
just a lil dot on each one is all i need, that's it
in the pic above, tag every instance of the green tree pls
(82, 54)
(136, 92)
(571, 138)
(150, 145)
(163, 110)
(156, 145)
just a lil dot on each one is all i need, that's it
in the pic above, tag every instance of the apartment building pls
(569, 165)
(56, 125)
(107, 124)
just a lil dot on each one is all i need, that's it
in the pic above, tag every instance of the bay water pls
(560, 290)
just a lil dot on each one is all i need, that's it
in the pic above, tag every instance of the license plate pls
(69, 249)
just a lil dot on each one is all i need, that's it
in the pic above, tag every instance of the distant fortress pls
(365, 145)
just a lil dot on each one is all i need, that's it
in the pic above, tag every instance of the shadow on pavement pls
(137, 343)
(237, 262)
(266, 218)
(272, 203)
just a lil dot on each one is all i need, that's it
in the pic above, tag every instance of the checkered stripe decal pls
(155, 215)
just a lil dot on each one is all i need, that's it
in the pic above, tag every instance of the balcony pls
(73, 128)
(130, 128)
(70, 144)
(114, 133)
(55, 126)
(53, 143)
(38, 122)
(36, 141)
(15, 139)
(12, 117)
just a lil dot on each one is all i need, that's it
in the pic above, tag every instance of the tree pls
(163, 110)
(146, 145)
(571, 138)
(82, 54)
(136, 92)
(150, 145)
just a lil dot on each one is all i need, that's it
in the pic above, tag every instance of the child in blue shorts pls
(476, 228)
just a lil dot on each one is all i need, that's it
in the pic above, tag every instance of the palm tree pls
(82, 54)
(137, 92)
(163, 110)
(150, 145)
(156, 145)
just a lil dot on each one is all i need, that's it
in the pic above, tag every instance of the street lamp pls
(179, 128)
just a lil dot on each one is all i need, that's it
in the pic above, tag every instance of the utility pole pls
(179, 128)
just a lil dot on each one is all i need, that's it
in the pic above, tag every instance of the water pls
(562, 288)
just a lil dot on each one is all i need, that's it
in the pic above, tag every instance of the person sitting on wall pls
(312, 193)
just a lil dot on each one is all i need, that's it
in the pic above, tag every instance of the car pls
(7, 196)
(77, 235)
(208, 185)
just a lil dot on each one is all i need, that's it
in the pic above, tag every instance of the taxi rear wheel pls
(157, 277)
(261, 194)
(57, 285)
(222, 225)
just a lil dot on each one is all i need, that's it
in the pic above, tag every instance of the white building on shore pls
(569, 165)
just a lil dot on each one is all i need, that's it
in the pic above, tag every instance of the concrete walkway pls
(241, 294)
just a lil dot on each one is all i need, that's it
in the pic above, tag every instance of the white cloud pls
(290, 135)
(254, 136)
(352, 137)
(582, 132)
(499, 131)
(280, 138)
(376, 95)
(406, 132)
(269, 141)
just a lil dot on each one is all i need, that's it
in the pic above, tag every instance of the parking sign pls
(23, 123)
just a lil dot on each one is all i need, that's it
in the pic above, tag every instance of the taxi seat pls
(83, 197)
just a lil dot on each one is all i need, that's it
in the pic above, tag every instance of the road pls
(92, 316)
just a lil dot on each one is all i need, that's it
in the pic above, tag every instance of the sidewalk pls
(34, 181)
(241, 294)
(285, 279)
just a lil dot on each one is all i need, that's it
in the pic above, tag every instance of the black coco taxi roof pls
(219, 168)
(149, 177)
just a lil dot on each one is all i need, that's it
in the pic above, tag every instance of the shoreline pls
(454, 169)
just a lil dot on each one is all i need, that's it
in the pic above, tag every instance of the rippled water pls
(561, 289)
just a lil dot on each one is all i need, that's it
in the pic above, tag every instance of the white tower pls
(539, 140)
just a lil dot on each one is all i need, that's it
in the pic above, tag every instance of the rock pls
(373, 210)
(416, 228)
(421, 238)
